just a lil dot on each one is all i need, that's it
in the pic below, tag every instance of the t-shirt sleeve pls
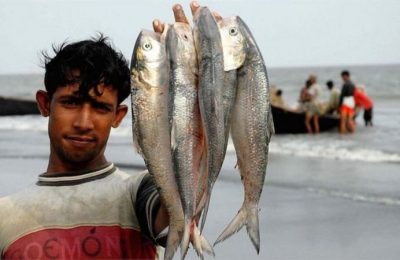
(147, 205)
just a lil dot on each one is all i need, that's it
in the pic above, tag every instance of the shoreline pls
(300, 218)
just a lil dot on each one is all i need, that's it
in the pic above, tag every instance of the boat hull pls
(292, 122)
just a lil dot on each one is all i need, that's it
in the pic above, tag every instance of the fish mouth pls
(207, 24)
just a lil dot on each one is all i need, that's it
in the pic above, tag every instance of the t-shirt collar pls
(74, 178)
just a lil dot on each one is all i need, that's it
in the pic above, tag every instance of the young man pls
(362, 100)
(347, 104)
(331, 107)
(310, 108)
(83, 206)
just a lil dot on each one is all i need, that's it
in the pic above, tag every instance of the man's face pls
(79, 127)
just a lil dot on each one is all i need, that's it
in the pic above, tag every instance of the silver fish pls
(252, 128)
(150, 71)
(187, 139)
(211, 84)
(233, 45)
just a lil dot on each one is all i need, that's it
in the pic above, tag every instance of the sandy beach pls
(308, 211)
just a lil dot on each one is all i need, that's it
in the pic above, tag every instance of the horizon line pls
(268, 67)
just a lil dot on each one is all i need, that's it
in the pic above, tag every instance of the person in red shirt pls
(364, 101)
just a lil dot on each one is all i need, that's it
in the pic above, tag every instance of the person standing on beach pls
(362, 100)
(347, 104)
(83, 206)
(314, 107)
(308, 107)
(332, 106)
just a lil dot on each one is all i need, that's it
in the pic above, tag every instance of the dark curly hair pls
(95, 60)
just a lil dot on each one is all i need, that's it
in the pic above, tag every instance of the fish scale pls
(252, 118)
(186, 129)
(211, 82)
(149, 97)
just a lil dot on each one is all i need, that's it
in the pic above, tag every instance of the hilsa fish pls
(150, 83)
(211, 84)
(252, 128)
(187, 140)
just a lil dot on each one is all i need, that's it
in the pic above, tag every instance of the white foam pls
(333, 150)
(39, 123)
(304, 146)
(357, 196)
(27, 122)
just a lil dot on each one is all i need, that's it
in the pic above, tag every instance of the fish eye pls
(233, 31)
(185, 37)
(147, 46)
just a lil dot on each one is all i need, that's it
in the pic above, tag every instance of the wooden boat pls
(292, 122)
(13, 106)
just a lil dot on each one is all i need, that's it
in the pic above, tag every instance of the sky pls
(290, 33)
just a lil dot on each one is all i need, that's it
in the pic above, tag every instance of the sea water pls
(324, 195)
(366, 163)
(380, 143)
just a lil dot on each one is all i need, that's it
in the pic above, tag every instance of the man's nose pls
(84, 118)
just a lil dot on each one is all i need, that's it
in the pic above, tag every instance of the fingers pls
(194, 6)
(158, 26)
(179, 14)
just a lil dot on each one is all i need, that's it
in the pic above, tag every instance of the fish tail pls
(252, 227)
(248, 217)
(206, 246)
(196, 240)
(200, 243)
(173, 241)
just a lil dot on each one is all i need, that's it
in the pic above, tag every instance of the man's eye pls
(70, 102)
(101, 107)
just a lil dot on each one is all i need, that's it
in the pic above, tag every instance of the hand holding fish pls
(189, 83)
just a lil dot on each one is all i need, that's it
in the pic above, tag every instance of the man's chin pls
(79, 159)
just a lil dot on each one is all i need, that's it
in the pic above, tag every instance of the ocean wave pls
(328, 151)
(390, 201)
(297, 146)
(334, 151)
(27, 122)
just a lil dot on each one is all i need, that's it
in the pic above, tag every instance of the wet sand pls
(305, 214)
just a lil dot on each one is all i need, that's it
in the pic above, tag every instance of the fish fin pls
(172, 135)
(196, 240)
(252, 227)
(248, 217)
(200, 243)
(201, 204)
(237, 165)
(205, 209)
(236, 224)
(134, 130)
(173, 241)
(186, 238)
(206, 246)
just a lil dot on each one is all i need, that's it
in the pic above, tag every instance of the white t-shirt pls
(315, 91)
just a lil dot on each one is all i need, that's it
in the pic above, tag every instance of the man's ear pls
(119, 115)
(43, 102)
